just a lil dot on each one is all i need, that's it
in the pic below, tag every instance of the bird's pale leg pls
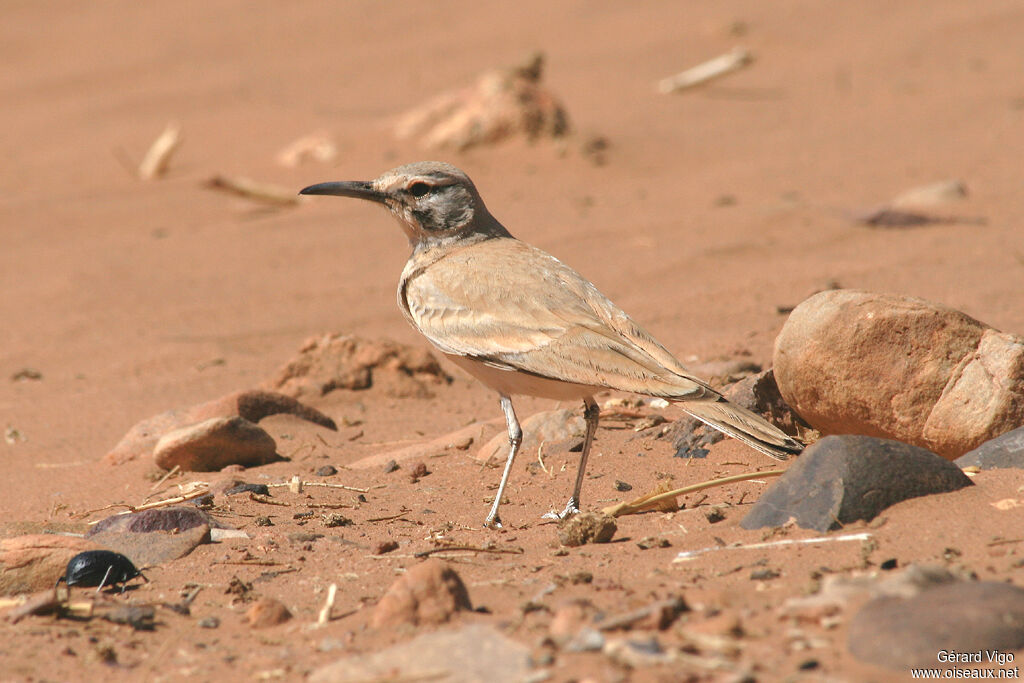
(515, 438)
(591, 413)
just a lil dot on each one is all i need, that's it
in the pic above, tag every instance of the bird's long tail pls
(744, 425)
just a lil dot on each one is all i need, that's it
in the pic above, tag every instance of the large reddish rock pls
(214, 444)
(35, 562)
(854, 362)
(429, 593)
(252, 405)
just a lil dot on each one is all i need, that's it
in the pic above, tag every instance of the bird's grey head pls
(433, 201)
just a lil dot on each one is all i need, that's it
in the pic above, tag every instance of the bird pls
(524, 323)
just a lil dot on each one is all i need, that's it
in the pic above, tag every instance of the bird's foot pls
(571, 508)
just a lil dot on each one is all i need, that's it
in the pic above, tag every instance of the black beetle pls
(100, 568)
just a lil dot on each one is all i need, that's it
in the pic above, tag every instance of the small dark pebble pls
(238, 587)
(622, 486)
(764, 575)
(809, 665)
(390, 466)
(648, 542)
(204, 502)
(576, 447)
(209, 622)
(891, 563)
(714, 515)
(361, 498)
(581, 577)
(26, 373)
(385, 547)
(333, 519)
(139, 617)
(263, 520)
(259, 489)
(418, 472)
(327, 471)
(302, 515)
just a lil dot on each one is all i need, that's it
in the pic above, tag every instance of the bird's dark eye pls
(419, 189)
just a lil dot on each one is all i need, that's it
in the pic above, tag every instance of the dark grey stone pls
(842, 479)
(898, 633)
(1001, 452)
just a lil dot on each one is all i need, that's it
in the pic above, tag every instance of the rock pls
(569, 619)
(550, 427)
(334, 361)
(267, 612)
(174, 518)
(964, 617)
(476, 652)
(34, 562)
(842, 479)
(429, 593)
(326, 471)
(220, 441)
(1001, 452)
(252, 405)
(504, 103)
(154, 547)
(852, 362)
(758, 393)
(586, 527)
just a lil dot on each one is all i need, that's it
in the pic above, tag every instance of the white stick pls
(731, 61)
(325, 611)
(688, 555)
(158, 157)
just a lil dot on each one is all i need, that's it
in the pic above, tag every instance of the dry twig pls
(651, 500)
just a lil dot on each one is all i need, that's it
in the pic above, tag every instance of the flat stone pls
(964, 617)
(467, 655)
(252, 405)
(216, 443)
(34, 562)
(853, 362)
(172, 518)
(146, 549)
(1006, 451)
(842, 479)
(428, 593)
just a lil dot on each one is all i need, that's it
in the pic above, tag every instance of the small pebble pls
(326, 471)
(385, 547)
(209, 622)
(764, 575)
(263, 520)
(390, 466)
(333, 519)
(418, 472)
(259, 489)
(648, 542)
(714, 515)
(622, 486)
(889, 564)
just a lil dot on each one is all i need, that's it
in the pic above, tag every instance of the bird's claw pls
(570, 509)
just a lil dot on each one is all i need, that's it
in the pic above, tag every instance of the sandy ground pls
(713, 208)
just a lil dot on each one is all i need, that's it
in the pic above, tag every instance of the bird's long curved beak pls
(354, 188)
